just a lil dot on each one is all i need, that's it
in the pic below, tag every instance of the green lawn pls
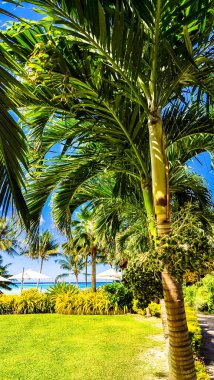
(68, 347)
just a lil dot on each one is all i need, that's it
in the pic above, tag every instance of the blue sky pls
(50, 267)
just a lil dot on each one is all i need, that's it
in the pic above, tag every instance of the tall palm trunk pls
(77, 280)
(93, 268)
(180, 353)
(86, 271)
(40, 271)
(148, 203)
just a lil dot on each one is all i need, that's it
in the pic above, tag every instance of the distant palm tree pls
(4, 273)
(71, 262)
(85, 236)
(46, 248)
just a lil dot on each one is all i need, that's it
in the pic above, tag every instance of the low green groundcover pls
(86, 347)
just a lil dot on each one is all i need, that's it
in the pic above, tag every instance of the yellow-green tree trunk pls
(93, 269)
(181, 361)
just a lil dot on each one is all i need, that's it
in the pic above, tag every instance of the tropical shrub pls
(195, 336)
(7, 304)
(61, 288)
(145, 285)
(154, 309)
(120, 294)
(204, 300)
(136, 308)
(201, 295)
(31, 301)
(189, 295)
(86, 302)
(200, 368)
(194, 329)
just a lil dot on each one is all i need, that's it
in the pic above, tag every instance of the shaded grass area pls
(71, 347)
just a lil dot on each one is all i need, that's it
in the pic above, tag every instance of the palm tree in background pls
(4, 273)
(106, 82)
(84, 235)
(47, 248)
(71, 261)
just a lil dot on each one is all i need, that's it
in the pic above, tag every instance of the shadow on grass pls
(161, 375)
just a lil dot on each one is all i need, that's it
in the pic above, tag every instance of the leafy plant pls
(61, 288)
(155, 309)
(145, 285)
(86, 302)
(4, 273)
(7, 304)
(31, 301)
(201, 373)
(120, 294)
(201, 295)
(194, 330)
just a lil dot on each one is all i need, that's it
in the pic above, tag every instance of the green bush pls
(194, 330)
(31, 301)
(7, 304)
(190, 295)
(136, 307)
(205, 294)
(85, 302)
(200, 368)
(120, 294)
(155, 309)
(195, 336)
(61, 288)
(201, 295)
(145, 285)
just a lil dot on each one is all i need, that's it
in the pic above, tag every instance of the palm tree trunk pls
(147, 197)
(93, 269)
(181, 362)
(77, 282)
(40, 271)
(180, 353)
(86, 271)
(22, 280)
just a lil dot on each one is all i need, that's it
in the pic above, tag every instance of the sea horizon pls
(44, 285)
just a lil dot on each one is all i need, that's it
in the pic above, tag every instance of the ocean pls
(43, 286)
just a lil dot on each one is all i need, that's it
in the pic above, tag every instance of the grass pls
(69, 347)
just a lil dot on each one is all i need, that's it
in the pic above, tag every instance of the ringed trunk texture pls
(181, 363)
(180, 353)
(93, 269)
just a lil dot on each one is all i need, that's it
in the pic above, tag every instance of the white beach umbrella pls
(110, 274)
(3, 279)
(29, 274)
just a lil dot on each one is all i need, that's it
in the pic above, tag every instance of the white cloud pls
(42, 221)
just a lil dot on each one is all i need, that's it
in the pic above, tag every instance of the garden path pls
(207, 351)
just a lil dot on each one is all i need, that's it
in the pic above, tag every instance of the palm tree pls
(46, 248)
(112, 72)
(13, 146)
(71, 261)
(84, 234)
(4, 273)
